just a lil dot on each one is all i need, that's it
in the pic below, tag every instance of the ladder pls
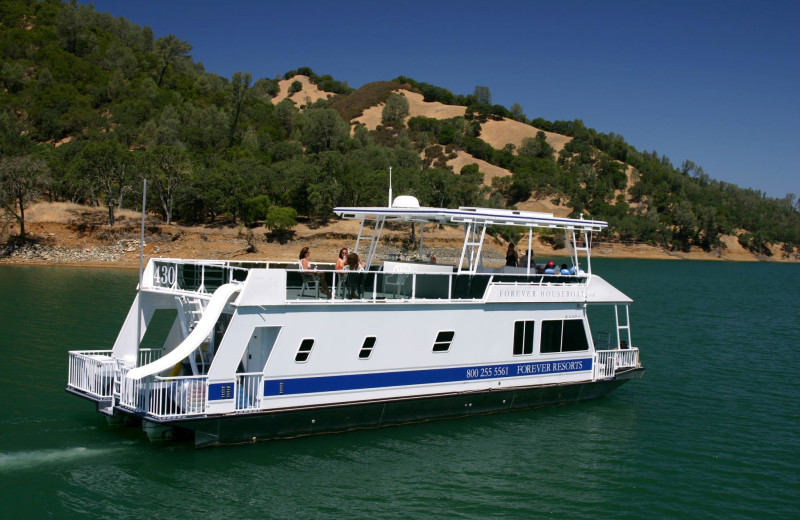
(474, 244)
(586, 248)
(624, 327)
(373, 237)
(191, 310)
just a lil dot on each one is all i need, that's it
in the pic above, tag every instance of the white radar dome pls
(405, 201)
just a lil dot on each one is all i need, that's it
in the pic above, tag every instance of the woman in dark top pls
(511, 256)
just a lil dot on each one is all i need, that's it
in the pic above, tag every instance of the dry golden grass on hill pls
(309, 94)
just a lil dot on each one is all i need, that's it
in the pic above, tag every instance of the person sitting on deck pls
(341, 260)
(353, 282)
(523, 262)
(307, 270)
(564, 269)
(550, 268)
(353, 263)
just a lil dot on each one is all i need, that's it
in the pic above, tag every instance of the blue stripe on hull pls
(338, 383)
(299, 422)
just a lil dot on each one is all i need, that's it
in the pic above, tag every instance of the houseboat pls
(250, 351)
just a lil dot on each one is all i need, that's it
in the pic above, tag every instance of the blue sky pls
(716, 82)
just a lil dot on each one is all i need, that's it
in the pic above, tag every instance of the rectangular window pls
(563, 336)
(304, 350)
(523, 337)
(551, 337)
(443, 341)
(574, 336)
(366, 348)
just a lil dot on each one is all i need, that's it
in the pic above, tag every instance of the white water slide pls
(195, 338)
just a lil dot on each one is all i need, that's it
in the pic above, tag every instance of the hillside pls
(91, 104)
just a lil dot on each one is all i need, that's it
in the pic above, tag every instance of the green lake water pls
(711, 431)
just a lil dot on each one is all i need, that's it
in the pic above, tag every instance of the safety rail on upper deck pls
(196, 276)
(607, 362)
(410, 282)
(412, 286)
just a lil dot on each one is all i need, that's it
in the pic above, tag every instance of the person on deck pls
(353, 281)
(342, 260)
(511, 256)
(305, 267)
(354, 263)
(523, 262)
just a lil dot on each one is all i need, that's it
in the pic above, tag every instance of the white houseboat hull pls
(256, 352)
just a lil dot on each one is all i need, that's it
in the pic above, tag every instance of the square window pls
(304, 351)
(366, 348)
(443, 341)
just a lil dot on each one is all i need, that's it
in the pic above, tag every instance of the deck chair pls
(397, 279)
(353, 286)
(310, 283)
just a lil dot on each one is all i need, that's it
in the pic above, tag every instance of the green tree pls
(280, 220)
(516, 112)
(324, 129)
(21, 180)
(240, 90)
(108, 166)
(482, 95)
(170, 51)
(167, 168)
(395, 110)
(255, 209)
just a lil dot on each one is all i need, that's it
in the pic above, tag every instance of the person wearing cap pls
(550, 268)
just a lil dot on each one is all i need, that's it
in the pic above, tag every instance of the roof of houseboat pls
(407, 209)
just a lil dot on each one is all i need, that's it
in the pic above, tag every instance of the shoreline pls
(69, 235)
(44, 256)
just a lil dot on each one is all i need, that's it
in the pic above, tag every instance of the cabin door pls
(259, 348)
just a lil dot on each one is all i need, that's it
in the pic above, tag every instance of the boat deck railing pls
(410, 282)
(607, 362)
(94, 372)
(248, 391)
(160, 398)
(165, 397)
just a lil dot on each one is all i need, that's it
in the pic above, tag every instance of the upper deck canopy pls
(464, 215)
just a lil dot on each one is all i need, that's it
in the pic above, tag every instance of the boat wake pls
(33, 459)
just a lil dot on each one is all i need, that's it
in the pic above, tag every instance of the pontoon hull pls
(242, 428)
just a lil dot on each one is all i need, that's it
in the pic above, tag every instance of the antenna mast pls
(390, 187)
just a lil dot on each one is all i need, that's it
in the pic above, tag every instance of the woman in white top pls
(305, 266)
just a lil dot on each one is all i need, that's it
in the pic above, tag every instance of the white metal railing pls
(204, 277)
(164, 397)
(248, 391)
(96, 371)
(415, 286)
(607, 362)
(148, 355)
(92, 372)
(201, 277)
